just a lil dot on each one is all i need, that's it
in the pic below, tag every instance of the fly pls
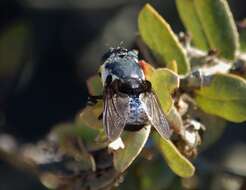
(129, 100)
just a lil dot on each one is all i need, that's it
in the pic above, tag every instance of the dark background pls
(67, 39)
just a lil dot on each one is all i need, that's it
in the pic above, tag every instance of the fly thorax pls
(122, 64)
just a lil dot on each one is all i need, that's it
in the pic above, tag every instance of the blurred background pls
(48, 48)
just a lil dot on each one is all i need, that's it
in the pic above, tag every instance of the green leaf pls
(189, 17)
(94, 86)
(158, 35)
(164, 81)
(88, 135)
(175, 160)
(173, 66)
(225, 96)
(90, 128)
(72, 143)
(13, 44)
(134, 143)
(219, 26)
(89, 115)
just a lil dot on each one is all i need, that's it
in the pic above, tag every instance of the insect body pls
(129, 101)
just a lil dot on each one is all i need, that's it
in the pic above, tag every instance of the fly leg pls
(92, 100)
(100, 117)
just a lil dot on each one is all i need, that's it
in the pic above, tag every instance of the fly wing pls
(156, 114)
(115, 114)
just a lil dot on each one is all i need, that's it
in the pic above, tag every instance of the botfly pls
(129, 100)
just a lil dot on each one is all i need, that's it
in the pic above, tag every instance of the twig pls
(65, 172)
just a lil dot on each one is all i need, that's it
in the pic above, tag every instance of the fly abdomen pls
(137, 112)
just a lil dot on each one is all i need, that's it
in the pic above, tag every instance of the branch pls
(57, 170)
(205, 65)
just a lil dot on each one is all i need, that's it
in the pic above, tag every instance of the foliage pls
(14, 39)
(226, 93)
(205, 20)
(158, 35)
(196, 91)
